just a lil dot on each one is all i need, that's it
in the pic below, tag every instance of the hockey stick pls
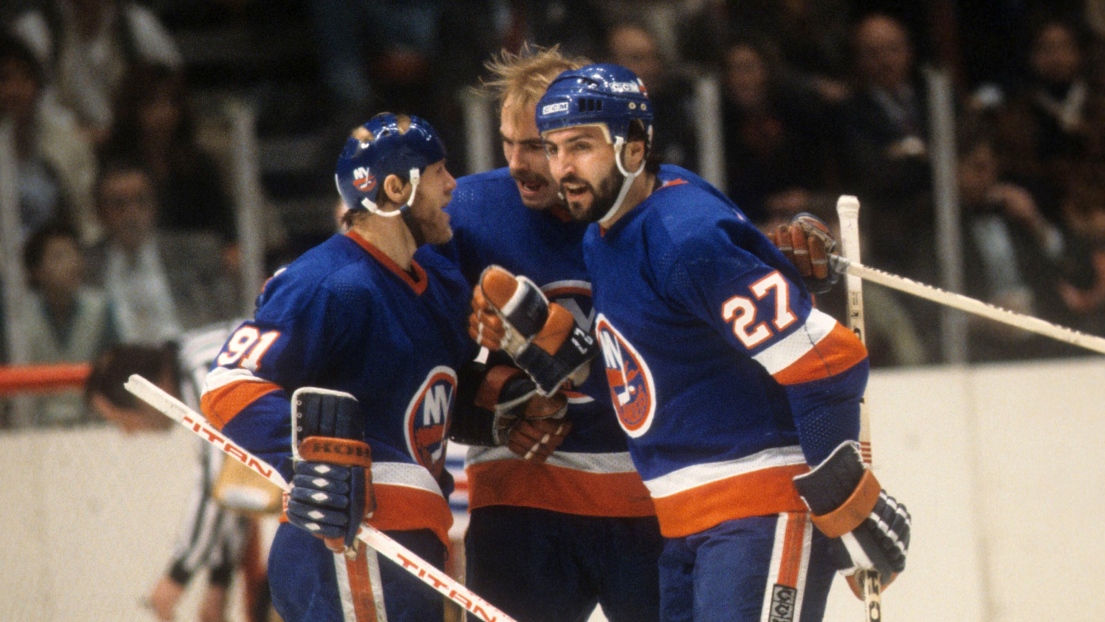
(851, 267)
(847, 209)
(175, 409)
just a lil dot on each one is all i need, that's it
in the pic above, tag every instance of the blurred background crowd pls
(122, 121)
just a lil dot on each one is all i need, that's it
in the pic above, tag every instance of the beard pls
(602, 198)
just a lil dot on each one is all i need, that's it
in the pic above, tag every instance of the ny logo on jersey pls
(631, 387)
(427, 418)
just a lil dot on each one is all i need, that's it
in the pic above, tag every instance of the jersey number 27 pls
(742, 310)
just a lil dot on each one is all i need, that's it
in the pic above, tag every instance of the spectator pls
(810, 38)
(632, 45)
(885, 149)
(1018, 258)
(377, 52)
(1058, 121)
(66, 321)
(1084, 214)
(159, 283)
(663, 19)
(87, 46)
(55, 167)
(775, 145)
(154, 124)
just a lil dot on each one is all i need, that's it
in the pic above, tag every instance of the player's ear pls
(396, 189)
(633, 154)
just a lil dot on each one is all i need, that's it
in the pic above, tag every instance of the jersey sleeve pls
(729, 279)
(247, 392)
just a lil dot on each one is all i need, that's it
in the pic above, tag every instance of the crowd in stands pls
(129, 223)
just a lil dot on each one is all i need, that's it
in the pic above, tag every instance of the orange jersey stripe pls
(759, 493)
(794, 542)
(402, 508)
(548, 487)
(838, 351)
(224, 403)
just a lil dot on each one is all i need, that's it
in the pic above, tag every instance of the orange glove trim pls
(345, 452)
(852, 512)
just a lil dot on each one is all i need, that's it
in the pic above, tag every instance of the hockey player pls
(581, 527)
(555, 528)
(740, 400)
(360, 343)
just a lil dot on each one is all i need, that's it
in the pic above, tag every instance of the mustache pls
(576, 181)
(527, 177)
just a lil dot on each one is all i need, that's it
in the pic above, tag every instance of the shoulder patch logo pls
(427, 418)
(631, 387)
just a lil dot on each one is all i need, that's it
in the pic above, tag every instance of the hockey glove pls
(807, 241)
(542, 338)
(528, 424)
(870, 528)
(332, 488)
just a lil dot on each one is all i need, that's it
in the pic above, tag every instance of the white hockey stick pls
(847, 209)
(175, 409)
(854, 269)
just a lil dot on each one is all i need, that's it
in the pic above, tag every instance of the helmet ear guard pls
(606, 95)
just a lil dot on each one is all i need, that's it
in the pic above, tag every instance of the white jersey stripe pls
(377, 583)
(804, 569)
(615, 462)
(697, 475)
(403, 474)
(345, 592)
(775, 565)
(793, 347)
(222, 376)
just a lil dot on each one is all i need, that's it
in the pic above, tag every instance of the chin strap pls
(619, 148)
(412, 223)
(404, 210)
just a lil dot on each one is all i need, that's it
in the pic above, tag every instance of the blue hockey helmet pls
(603, 93)
(380, 148)
(606, 95)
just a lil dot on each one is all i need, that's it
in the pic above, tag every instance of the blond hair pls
(521, 78)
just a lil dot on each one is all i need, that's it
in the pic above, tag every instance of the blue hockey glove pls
(870, 528)
(510, 313)
(807, 241)
(332, 487)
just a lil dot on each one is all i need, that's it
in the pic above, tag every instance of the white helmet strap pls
(619, 149)
(372, 208)
(408, 217)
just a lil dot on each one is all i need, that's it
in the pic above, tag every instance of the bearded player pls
(740, 400)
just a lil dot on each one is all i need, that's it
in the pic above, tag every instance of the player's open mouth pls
(573, 191)
(531, 187)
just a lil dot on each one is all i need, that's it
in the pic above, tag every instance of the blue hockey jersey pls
(346, 317)
(724, 377)
(591, 473)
